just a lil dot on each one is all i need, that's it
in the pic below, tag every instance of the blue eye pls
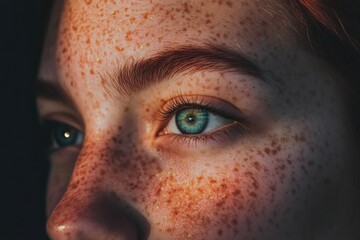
(58, 135)
(64, 135)
(192, 120)
(195, 120)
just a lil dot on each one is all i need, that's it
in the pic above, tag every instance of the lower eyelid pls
(225, 135)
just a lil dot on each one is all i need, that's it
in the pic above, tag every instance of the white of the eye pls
(79, 139)
(215, 121)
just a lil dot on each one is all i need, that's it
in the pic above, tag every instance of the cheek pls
(244, 192)
(203, 205)
(252, 187)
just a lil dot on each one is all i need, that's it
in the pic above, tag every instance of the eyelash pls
(237, 128)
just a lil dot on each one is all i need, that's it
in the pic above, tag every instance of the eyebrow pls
(139, 75)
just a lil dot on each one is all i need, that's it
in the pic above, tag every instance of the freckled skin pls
(288, 178)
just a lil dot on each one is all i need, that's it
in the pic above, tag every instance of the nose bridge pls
(90, 209)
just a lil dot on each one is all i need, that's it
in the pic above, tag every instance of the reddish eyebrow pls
(140, 74)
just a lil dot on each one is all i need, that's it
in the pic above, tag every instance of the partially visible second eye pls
(64, 135)
(59, 135)
(195, 120)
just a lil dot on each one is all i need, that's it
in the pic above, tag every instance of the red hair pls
(331, 30)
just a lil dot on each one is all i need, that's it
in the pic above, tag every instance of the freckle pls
(128, 36)
(145, 15)
(96, 105)
(92, 71)
(273, 188)
(223, 185)
(220, 232)
(132, 19)
(237, 192)
(186, 8)
(267, 150)
(229, 4)
(119, 49)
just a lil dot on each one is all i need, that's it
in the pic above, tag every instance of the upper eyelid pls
(64, 118)
(212, 104)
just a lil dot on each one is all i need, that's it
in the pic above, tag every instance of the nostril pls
(102, 217)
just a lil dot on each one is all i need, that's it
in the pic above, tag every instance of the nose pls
(98, 218)
(90, 210)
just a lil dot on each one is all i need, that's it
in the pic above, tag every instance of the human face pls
(191, 120)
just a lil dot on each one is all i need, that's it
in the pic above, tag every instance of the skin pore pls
(274, 162)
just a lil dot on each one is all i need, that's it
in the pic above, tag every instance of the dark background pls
(23, 170)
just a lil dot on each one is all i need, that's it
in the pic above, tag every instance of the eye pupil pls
(192, 120)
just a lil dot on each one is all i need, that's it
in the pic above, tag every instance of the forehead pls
(89, 41)
(133, 19)
(93, 34)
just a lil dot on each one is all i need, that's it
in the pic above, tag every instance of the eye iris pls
(192, 120)
(64, 135)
